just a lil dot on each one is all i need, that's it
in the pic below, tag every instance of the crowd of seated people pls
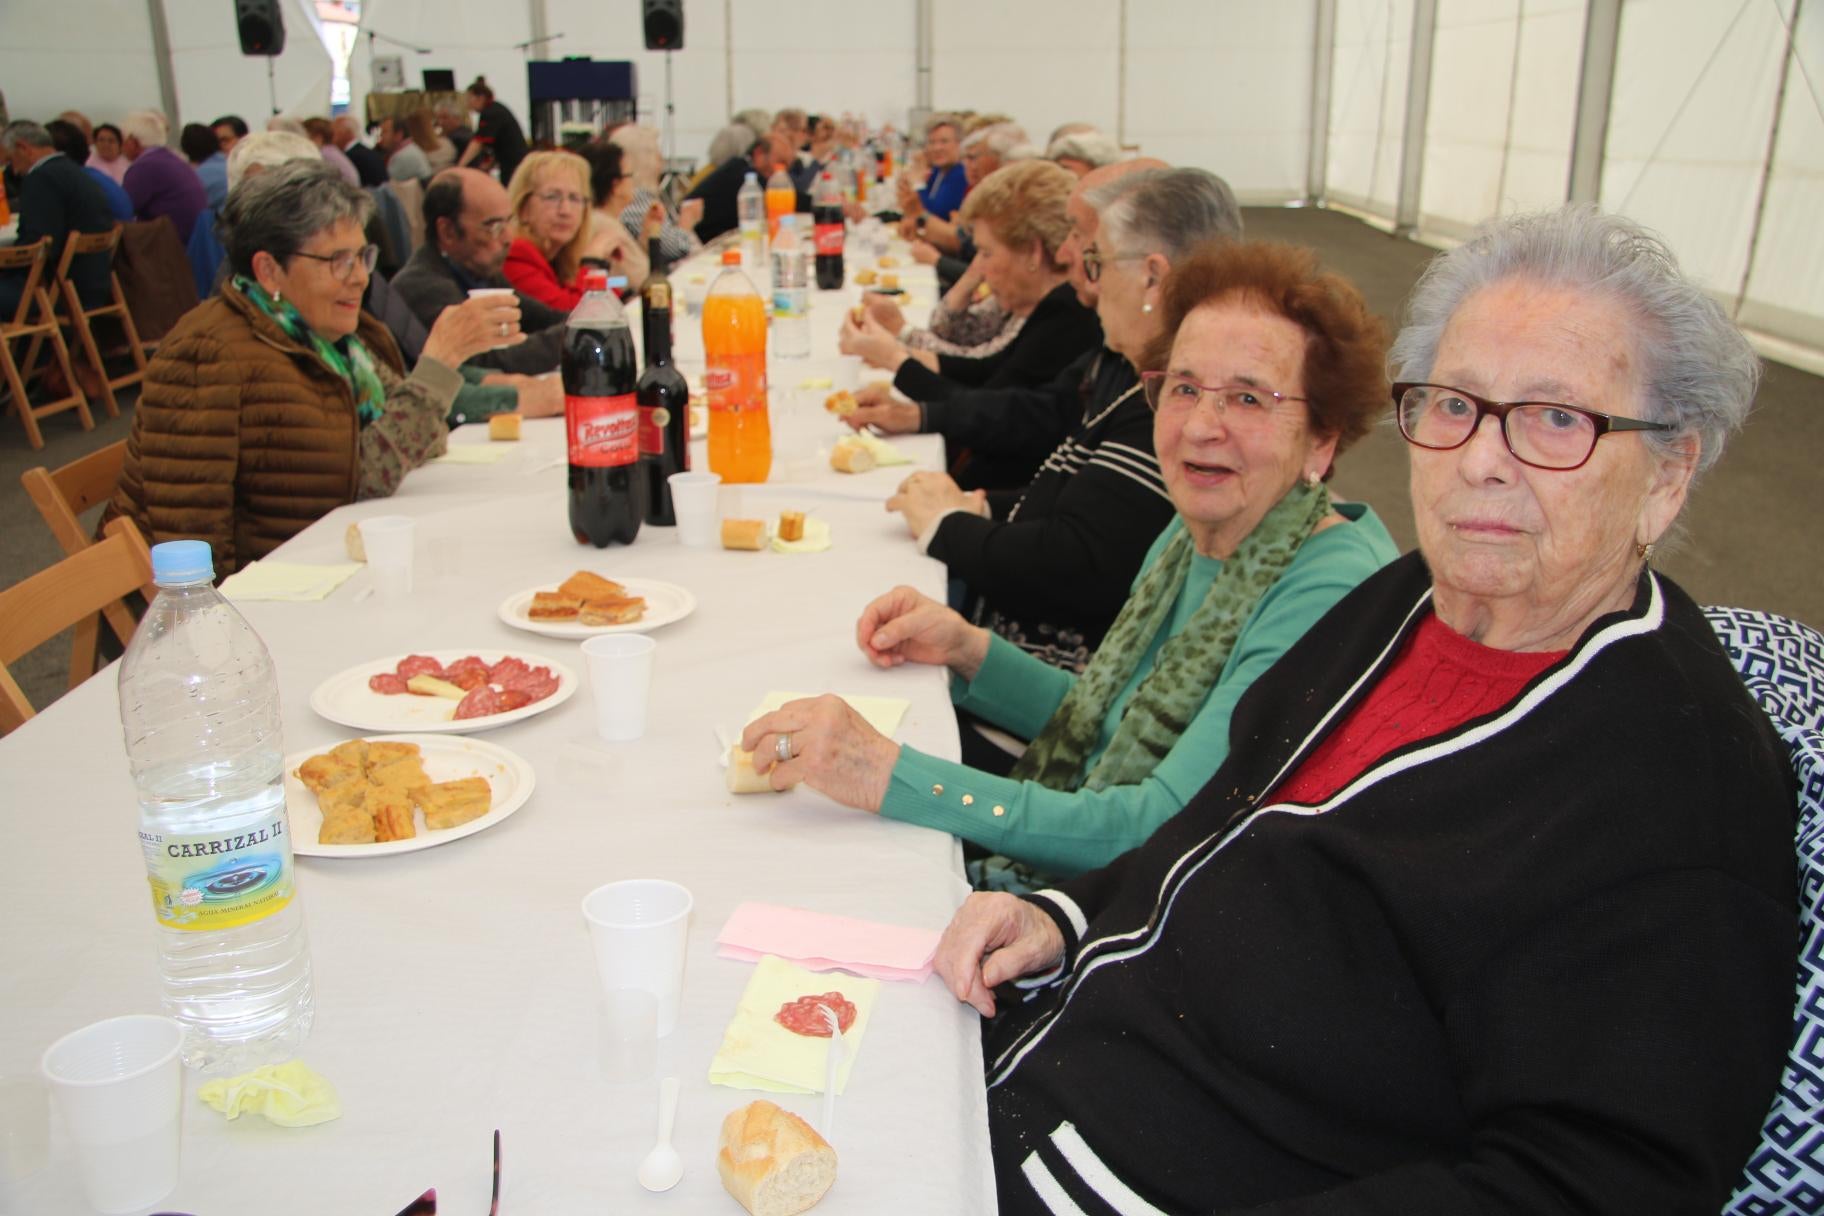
(1311, 879)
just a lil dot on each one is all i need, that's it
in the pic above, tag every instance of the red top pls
(1440, 680)
(530, 275)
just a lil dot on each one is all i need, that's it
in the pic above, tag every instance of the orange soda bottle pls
(734, 348)
(781, 199)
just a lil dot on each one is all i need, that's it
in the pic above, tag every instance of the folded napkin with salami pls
(778, 1041)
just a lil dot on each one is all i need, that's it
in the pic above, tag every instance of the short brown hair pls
(1346, 345)
(1025, 204)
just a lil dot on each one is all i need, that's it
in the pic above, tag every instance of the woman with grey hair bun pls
(1081, 151)
(1491, 908)
(279, 399)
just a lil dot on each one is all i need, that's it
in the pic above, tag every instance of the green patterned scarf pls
(1188, 664)
(348, 358)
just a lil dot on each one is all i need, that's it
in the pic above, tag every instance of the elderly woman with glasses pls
(279, 399)
(1269, 368)
(1491, 908)
(553, 217)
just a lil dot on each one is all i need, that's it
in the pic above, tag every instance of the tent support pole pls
(1323, 56)
(922, 67)
(1595, 85)
(161, 56)
(1418, 101)
(1773, 140)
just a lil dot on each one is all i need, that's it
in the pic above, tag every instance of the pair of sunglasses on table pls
(426, 1204)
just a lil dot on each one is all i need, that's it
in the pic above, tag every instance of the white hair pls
(147, 126)
(999, 138)
(1697, 370)
(1165, 211)
(736, 139)
(268, 149)
(1091, 146)
(640, 146)
(284, 122)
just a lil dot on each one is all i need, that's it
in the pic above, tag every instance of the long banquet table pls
(455, 986)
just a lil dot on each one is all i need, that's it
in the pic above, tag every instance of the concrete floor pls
(1748, 540)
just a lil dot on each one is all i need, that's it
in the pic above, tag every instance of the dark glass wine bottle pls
(663, 396)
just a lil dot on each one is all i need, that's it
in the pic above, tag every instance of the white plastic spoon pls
(663, 1167)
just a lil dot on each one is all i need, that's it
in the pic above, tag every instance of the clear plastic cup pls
(640, 930)
(119, 1086)
(620, 671)
(694, 497)
(388, 541)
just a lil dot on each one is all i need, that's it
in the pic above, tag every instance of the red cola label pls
(603, 430)
(829, 238)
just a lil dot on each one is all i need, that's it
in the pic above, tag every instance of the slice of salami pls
(391, 683)
(465, 664)
(468, 678)
(507, 668)
(538, 683)
(805, 1015)
(510, 699)
(479, 703)
(419, 665)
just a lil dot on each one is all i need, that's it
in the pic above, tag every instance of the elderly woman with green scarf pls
(279, 399)
(1267, 368)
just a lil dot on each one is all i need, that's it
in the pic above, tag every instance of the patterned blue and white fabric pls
(1782, 663)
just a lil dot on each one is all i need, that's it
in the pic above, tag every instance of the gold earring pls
(1644, 551)
(1312, 478)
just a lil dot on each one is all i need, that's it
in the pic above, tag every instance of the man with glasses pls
(465, 242)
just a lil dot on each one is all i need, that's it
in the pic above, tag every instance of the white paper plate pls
(446, 758)
(665, 603)
(346, 698)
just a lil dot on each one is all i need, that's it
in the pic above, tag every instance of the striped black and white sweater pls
(1051, 576)
(1541, 963)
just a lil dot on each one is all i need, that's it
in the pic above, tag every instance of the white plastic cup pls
(627, 1035)
(388, 541)
(848, 373)
(694, 497)
(494, 291)
(620, 671)
(640, 929)
(119, 1085)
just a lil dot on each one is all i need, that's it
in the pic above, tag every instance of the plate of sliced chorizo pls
(437, 691)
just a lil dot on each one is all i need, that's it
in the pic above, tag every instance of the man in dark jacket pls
(56, 198)
(465, 241)
(719, 189)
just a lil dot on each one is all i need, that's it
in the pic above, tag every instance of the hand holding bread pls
(904, 626)
(834, 751)
(923, 497)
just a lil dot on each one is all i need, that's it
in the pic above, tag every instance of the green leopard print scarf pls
(348, 358)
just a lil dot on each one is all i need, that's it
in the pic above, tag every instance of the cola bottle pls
(827, 216)
(664, 398)
(601, 376)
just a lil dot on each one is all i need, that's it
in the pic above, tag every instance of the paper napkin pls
(758, 1053)
(821, 942)
(883, 452)
(288, 1094)
(286, 581)
(474, 453)
(816, 539)
(882, 713)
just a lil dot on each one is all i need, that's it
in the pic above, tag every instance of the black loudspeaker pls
(261, 25)
(664, 24)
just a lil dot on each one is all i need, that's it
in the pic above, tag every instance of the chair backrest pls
(1782, 664)
(32, 259)
(66, 493)
(79, 243)
(44, 605)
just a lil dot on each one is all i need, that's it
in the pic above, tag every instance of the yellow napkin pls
(815, 382)
(882, 713)
(884, 453)
(759, 1053)
(473, 453)
(288, 1094)
(287, 581)
(816, 539)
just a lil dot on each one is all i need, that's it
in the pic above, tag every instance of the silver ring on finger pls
(782, 747)
(503, 329)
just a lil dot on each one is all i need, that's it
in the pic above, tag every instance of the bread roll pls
(791, 525)
(744, 534)
(841, 403)
(851, 456)
(742, 779)
(351, 541)
(773, 1162)
(503, 426)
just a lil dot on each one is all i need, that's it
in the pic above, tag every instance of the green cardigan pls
(1066, 833)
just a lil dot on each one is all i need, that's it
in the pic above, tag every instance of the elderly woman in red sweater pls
(552, 202)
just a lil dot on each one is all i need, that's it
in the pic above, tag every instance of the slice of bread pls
(553, 606)
(449, 803)
(586, 585)
(791, 525)
(391, 808)
(851, 456)
(744, 534)
(612, 610)
(503, 426)
(773, 1162)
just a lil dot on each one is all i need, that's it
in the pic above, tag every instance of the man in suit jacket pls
(465, 241)
(56, 198)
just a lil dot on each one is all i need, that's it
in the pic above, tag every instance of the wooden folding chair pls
(61, 497)
(33, 611)
(82, 319)
(36, 301)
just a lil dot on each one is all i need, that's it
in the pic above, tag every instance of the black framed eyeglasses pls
(1543, 434)
(1094, 260)
(342, 264)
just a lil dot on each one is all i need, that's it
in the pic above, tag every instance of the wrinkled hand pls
(834, 751)
(876, 346)
(925, 253)
(903, 626)
(540, 396)
(690, 213)
(652, 224)
(993, 938)
(923, 497)
(885, 312)
(473, 327)
(889, 417)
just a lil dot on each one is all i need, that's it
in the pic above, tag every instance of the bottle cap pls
(618, 282)
(182, 561)
(731, 257)
(595, 280)
(752, 177)
(789, 220)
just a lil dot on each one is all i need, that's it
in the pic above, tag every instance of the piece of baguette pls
(587, 585)
(888, 282)
(887, 262)
(841, 403)
(741, 777)
(791, 525)
(773, 1162)
(851, 456)
(744, 534)
(865, 278)
(431, 686)
(503, 426)
(353, 544)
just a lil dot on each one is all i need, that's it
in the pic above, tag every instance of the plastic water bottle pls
(791, 293)
(750, 206)
(199, 705)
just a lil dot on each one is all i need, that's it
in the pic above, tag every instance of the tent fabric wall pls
(214, 78)
(1046, 62)
(1369, 70)
(104, 67)
(1785, 292)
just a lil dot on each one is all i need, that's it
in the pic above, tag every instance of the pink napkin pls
(820, 942)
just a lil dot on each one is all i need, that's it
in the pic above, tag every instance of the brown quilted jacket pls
(243, 437)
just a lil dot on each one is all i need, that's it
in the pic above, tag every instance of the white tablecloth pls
(455, 986)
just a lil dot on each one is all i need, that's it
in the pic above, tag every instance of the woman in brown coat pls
(279, 400)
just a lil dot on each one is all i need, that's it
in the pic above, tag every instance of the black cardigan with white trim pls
(1541, 963)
